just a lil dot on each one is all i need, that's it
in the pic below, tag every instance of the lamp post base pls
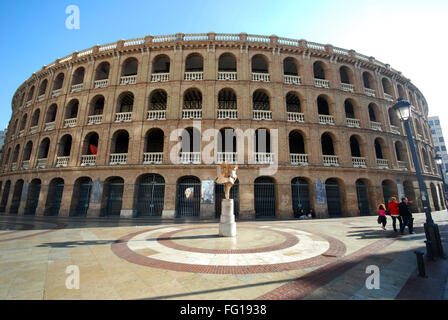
(434, 246)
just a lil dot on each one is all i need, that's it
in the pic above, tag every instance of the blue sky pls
(409, 35)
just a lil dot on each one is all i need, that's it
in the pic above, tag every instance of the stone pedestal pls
(227, 225)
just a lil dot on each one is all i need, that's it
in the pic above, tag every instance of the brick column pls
(247, 209)
(127, 205)
(64, 210)
(96, 195)
(284, 200)
(169, 204)
(23, 198)
(43, 194)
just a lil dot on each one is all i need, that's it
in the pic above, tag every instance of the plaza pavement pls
(269, 259)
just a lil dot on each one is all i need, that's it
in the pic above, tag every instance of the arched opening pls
(379, 148)
(296, 143)
(300, 192)
(227, 63)
(389, 190)
(260, 100)
(400, 151)
(32, 199)
(346, 75)
(112, 196)
(90, 145)
(220, 195)
(42, 88)
(102, 71)
(158, 100)
(72, 109)
(401, 93)
(27, 151)
(54, 197)
(97, 106)
(334, 202)
(120, 142)
(51, 114)
(393, 118)
(194, 63)
(264, 197)
(78, 76)
(367, 80)
(188, 197)
(227, 145)
(262, 142)
(363, 197)
(191, 146)
(58, 81)
(293, 103)
(349, 109)
(43, 149)
(30, 94)
(290, 67)
(125, 102)
(227, 99)
(409, 192)
(150, 195)
(15, 155)
(153, 152)
(259, 64)
(435, 198)
(323, 108)
(327, 144)
(161, 64)
(387, 86)
(35, 118)
(373, 112)
(23, 122)
(81, 197)
(319, 70)
(16, 196)
(65, 146)
(5, 196)
(192, 99)
(354, 147)
(129, 67)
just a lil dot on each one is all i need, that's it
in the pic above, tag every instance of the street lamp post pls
(439, 161)
(434, 244)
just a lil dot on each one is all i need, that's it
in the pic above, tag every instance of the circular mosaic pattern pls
(255, 249)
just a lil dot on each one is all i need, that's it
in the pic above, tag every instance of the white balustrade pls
(321, 83)
(95, 119)
(101, 83)
(28, 103)
(123, 117)
(263, 77)
(190, 76)
(376, 126)
(118, 158)
(49, 126)
(13, 166)
(326, 119)
(426, 168)
(262, 115)
(69, 122)
(382, 163)
(295, 117)
(388, 97)
(298, 159)
(359, 162)
(25, 164)
(56, 93)
(192, 114)
(128, 80)
(395, 129)
(264, 158)
(227, 114)
(353, 123)
(330, 160)
(41, 98)
(291, 79)
(156, 115)
(77, 87)
(224, 75)
(347, 87)
(152, 157)
(229, 157)
(402, 165)
(21, 133)
(160, 77)
(62, 161)
(370, 92)
(88, 160)
(41, 163)
(190, 157)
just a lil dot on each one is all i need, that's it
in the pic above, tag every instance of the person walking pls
(394, 213)
(382, 216)
(406, 216)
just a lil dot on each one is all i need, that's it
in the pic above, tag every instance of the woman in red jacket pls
(393, 209)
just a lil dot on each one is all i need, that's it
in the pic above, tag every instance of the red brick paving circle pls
(120, 248)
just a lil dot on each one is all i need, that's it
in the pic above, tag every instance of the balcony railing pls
(321, 83)
(353, 123)
(229, 157)
(152, 157)
(427, 169)
(128, 80)
(224, 75)
(382, 163)
(41, 163)
(190, 157)
(298, 159)
(118, 158)
(347, 87)
(76, 87)
(62, 161)
(369, 92)
(160, 77)
(191, 76)
(402, 165)
(21, 133)
(192, 114)
(227, 114)
(388, 97)
(156, 115)
(13, 166)
(376, 126)
(49, 126)
(69, 122)
(262, 115)
(395, 129)
(295, 117)
(56, 93)
(95, 119)
(330, 160)
(33, 129)
(291, 79)
(88, 160)
(28, 103)
(101, 83)
(359, 162)
(25, 164)
(41, 98)
(123, 117)
(326, 119)
(263, 77)
(264, 158)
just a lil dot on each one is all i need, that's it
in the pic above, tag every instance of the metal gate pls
(300, 196)
(264, 194)
(114, 198)
(333, 199)
(188, 206)
(32, 199)
(5, 196)
(363, 198)
(387, 192)
(83, 199)
(219, 195)
(17, 195)
(54, 199)
(150, 196)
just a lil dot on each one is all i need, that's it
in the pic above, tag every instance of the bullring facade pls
(92, 134)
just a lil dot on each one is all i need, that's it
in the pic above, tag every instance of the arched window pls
(296, 143)
(125, 102)
(161, 64)
(72, 109)
(27, 152)
(290, 67)
(264, 197)
(387, 86)
(293, 103)
(354, 147)
(30, 94)
(349, 109)
(97, 106)
(130, 67)
(51, 113)
(65, 146)
(158, 100)
(319, 70)
(58, 82)
(120, 142)
(194, 63)
(346, 75)
(35, 118)
(43, 88)
(323, 107)
(260, 64)
(102, 71)
(43, 149)
(327, 144)
(260, 100)
(227, 99)
(192, 99)
(78, 77)
(227, 63)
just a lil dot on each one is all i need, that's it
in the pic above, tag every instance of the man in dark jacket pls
(406, 216)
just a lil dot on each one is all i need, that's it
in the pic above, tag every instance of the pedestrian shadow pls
(73, 244)
(383, 234)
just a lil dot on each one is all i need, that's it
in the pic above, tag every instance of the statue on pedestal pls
(227, 176)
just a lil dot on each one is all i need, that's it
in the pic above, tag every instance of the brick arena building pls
(96, 133)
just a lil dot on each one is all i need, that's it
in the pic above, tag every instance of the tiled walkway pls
(150, 259)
